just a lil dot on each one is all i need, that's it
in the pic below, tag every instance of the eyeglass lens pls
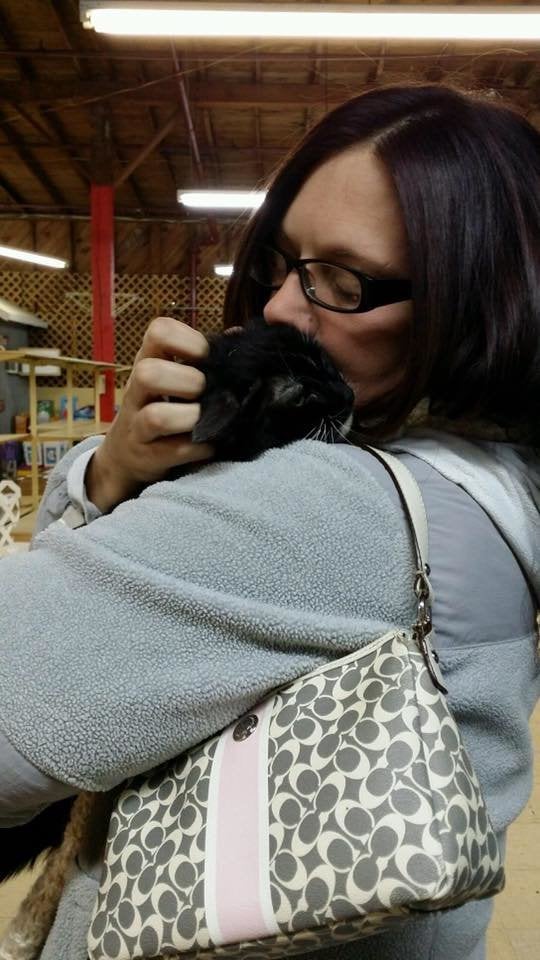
(332, 286)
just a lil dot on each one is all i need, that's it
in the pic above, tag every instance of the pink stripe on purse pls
(237, 898)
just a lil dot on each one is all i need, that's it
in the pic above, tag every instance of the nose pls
(289, 305)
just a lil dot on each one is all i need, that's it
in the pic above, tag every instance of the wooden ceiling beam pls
(213, 94)
(377, 69)
(143, 72)
(163, 214)
(27, 157)
(198, 169)
(156, 56)
(59, 141)
(222, 95)
(171, 150)
(63, 10)
(312, 80)
(11, 191)
(159, 135)
(28, 73)
(62, 14)
(120, 160)
(212, 151)
(257, 79)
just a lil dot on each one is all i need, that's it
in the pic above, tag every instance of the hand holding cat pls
(150, 436)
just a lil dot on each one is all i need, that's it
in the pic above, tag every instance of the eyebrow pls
(364, 264)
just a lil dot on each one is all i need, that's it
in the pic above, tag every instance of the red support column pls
(102, 239)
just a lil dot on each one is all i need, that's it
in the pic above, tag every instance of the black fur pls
(265, 387)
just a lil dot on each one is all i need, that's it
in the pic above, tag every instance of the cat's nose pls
(289, 305)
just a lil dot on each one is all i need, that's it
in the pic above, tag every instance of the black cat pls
(266, 386)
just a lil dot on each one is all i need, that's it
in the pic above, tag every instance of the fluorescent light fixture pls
(310, 21)
(222, 199)
(223, 269)
(30, 257)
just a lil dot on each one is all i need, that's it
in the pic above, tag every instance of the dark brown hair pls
(467, 175)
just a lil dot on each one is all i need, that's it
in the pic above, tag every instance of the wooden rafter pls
(312, 80)
(159, 56)
(58, 141)
(62, 15)
(28, 73)
(225, 96)
(11, 191)
(212, 151)
(27, 157)
(50, 95)
(152, 113)
(121, 159)
(149, 148)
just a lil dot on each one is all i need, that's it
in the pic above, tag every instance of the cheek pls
(371, 351)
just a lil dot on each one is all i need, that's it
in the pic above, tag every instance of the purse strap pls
(415, 512)
(413, 504)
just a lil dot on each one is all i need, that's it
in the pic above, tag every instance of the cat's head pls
(270, 385)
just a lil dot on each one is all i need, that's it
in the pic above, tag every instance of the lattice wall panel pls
(64, 300)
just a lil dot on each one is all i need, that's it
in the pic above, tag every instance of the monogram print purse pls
(337, 808)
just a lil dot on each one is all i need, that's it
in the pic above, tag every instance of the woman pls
(168, 618)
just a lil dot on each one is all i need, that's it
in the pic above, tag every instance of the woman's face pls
(347, 212)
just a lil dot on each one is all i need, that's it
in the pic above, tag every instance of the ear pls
(218, 413)
(286, 391)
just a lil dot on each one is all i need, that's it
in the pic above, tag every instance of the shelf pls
(6, 437)
(26, 356)
(81, 429)
(45, 371)
(66, 429)
(57, 430)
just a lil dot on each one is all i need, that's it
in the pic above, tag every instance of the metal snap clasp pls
(245, 727)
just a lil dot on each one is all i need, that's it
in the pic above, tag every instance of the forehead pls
(349, 203)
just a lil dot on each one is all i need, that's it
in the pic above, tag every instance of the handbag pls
(340, 806)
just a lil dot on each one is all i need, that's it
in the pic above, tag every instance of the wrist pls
(105, 487)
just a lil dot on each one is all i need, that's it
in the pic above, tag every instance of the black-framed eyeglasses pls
(327, 284)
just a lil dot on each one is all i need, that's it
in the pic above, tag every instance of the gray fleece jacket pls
(165, 620)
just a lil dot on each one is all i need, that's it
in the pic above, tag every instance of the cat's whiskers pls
(337, 426)
(316, 431)
(310, 435)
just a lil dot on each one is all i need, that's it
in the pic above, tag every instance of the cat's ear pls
(219, 412)
(285, 391)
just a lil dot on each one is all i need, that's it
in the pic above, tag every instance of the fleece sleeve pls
(125, 642)
(65, 486)
(25, 790)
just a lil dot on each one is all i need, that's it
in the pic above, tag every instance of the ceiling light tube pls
(223, 269)
(14, 254)
(311, 21)
(222, 199)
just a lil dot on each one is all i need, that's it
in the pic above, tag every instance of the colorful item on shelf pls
(64, 405)
(9, 457)
(45, 411)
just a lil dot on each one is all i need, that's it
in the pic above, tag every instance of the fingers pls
(166, 337)
(169, 452)
(165, 419)
(153, 377)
